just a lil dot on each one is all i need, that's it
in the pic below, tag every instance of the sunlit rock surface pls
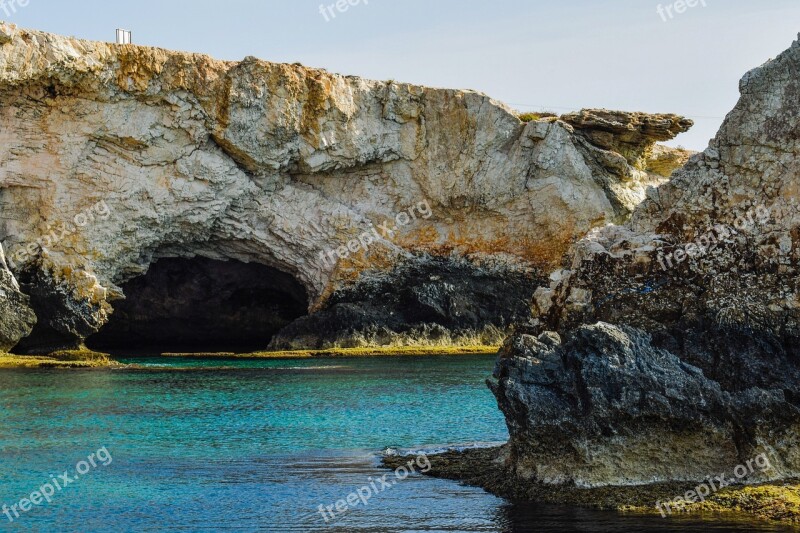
(16, 316)
(668, 348)
(114, 156)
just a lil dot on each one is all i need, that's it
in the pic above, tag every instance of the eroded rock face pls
(632, 135)
(16, 316)
(117, 156)
(421, 301)
(702, 290)
(606, 407)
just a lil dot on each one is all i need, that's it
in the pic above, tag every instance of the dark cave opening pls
(202, 305)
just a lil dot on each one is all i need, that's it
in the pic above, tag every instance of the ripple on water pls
(259, 445)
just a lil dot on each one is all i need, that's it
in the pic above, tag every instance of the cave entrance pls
(202, 305)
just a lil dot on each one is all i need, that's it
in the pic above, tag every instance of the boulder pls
(681, 328)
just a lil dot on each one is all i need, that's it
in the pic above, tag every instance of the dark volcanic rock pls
(606, 407)
(423, 300)
(64, 320)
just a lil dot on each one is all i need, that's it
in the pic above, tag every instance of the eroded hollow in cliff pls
(202, 305)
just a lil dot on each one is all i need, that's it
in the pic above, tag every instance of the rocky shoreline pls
(665, 350)
(662, 345)
(78, 359)
(86, 358)
(485, 468)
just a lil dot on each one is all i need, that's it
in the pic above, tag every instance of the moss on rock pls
(486, 468)
(82, 358)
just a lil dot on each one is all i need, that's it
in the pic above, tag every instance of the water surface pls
(258, 445)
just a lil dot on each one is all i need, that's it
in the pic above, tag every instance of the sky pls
(535, 55)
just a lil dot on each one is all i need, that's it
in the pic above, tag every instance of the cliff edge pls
(666, 349)
(399, 210)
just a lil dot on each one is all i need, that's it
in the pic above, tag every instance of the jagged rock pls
(424, 300)
(16, 316)
(664, 161)
(6, 33)
(163, 154)
(632, 135)
(606, 407)
(622, 150)
(64, 317)
(702, 286)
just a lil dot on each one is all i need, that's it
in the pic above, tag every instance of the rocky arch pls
(279, 165)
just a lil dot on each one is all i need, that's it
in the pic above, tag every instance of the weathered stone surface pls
(702, 289)
(6, 33)
(272, 164)
(664, 161)
(16, 316)
(632, 135)
(607, 408)
(421, 301)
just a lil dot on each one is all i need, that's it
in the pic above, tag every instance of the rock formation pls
(668, 348)
(16, 316)
(116, 156)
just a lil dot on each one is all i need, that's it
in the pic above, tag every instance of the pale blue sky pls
(534, 54)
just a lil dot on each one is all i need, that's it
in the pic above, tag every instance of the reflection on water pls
(259, 445)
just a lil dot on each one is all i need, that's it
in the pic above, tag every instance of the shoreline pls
(61, 359)
(332, 353)
(483, 467)
(91, 359)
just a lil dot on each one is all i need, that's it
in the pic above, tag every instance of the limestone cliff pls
(668, 349)
(115, 156)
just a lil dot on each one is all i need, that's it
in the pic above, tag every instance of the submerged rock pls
(117, 156)
(680, 356)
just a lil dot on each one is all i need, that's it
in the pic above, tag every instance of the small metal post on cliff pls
(123, 36)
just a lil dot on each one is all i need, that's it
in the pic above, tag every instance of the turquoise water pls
(258, 446)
